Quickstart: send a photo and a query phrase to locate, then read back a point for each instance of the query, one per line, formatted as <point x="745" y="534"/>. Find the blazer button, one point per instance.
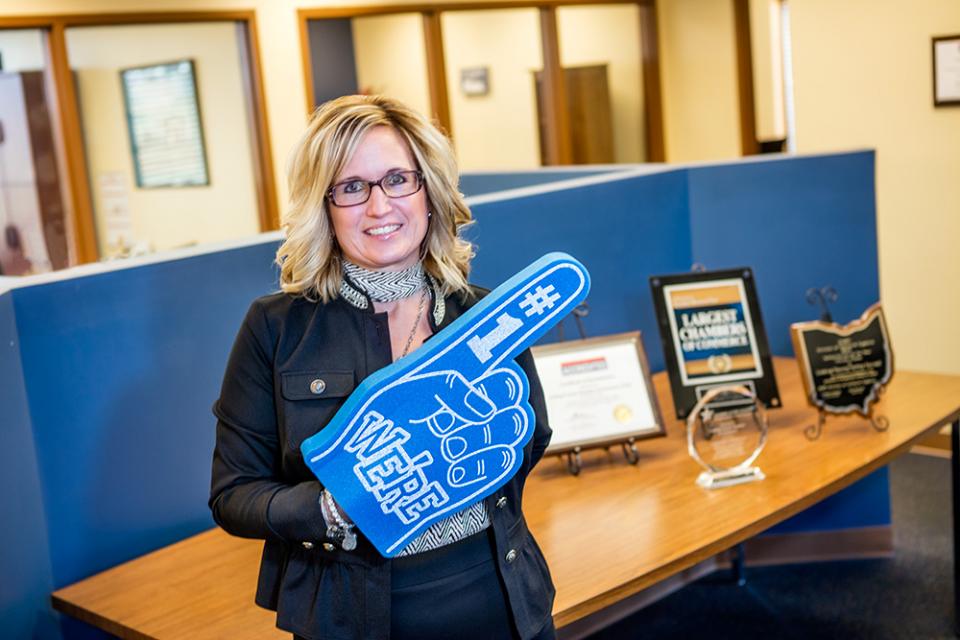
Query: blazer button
<point x="317" y="386"/>
<point x="511" y="556"/>
<point x="328" y="547"/>
<point x="502" y="502"/>
<point x="307" y="545"/>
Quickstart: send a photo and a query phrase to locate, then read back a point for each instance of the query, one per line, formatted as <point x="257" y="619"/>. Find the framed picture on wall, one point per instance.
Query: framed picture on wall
<point x="163" y="119"/>
<point x="946" y="71"/>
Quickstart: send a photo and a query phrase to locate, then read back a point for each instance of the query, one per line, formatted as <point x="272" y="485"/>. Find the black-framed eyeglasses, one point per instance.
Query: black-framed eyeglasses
<point x="396" y="184"/>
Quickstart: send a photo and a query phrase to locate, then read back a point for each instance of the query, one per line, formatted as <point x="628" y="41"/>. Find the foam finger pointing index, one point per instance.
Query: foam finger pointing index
<point x="514" y="315"/>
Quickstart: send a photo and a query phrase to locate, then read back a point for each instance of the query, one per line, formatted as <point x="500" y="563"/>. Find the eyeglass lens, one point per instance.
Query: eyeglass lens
<point x="396" y="184"/>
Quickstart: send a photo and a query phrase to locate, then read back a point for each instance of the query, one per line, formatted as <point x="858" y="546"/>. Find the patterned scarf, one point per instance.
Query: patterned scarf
<point x="381" y="286"/>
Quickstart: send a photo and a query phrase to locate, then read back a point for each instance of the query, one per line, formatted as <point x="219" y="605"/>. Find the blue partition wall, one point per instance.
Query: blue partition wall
<point x="806" y="222"/>
<point x="474" y="184"/>
<point x="106" y="381"/>
<point x="797" y="222"/>
<point x="122" y="369"/>
<point x="25" y="580"/>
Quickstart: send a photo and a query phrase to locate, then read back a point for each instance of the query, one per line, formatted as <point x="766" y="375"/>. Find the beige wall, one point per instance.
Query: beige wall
<point x="390" y="58"/>
<point x="498" y="130"/>
<point x="863" y="79"/>
<point x="699" y="80"/>
<point x="610" y="35"/>
<point x="169" y="217"/>
<point x="22" y="50"/>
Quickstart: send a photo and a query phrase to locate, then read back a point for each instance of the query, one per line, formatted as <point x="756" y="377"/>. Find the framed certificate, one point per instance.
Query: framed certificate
<point x="598" y="392"/>
<point x="946" y="71"/>
<point x="712" y="335"/>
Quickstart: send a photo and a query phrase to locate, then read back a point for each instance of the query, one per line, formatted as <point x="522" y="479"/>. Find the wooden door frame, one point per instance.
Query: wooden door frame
<point x="652" y="92"/>
<point x="558" y="139"/>
<point x="745" y="90"/>
<point x="83" y="225"/>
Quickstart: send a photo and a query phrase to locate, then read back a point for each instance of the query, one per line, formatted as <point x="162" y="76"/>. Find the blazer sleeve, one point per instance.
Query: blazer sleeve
<point x="542" y="431"/>
<point x="248" y="496"/>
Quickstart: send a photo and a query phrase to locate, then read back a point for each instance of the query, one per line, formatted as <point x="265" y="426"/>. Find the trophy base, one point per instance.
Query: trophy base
<point x="728" y="478"/>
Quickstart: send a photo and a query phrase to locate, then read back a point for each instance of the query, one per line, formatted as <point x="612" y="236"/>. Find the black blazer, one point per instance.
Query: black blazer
<point x="261" y="487"/>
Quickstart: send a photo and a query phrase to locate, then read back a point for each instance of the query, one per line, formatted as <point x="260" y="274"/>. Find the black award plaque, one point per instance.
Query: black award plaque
<point x="844" y="367"/>
<point x="713" y="336"/>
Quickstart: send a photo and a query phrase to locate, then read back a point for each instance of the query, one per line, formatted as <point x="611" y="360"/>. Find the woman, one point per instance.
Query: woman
<point x="373" y="264"/>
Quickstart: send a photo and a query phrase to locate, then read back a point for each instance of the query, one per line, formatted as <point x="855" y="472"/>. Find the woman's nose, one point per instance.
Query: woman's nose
<point x="379" y="203"/>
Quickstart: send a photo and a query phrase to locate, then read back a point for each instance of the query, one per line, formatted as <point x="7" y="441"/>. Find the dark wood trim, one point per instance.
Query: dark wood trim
<point x="366" y="10"/>
<point x="939" y="440"/>
<point x="305" y="58"/>
<point x="83" y="231"/>
<point x="748" y="122"/>
<point x="42" y="21"/>
<point x="820" y="546"/>
<point x="26" y="22"/>
<point x="652" y="91"/>
<point x="327" y="13"/>
<point x="437" y="71"/>
<point x="558" y="146"/>
<point x="257" y="123"/>
<point x="152" y="17"/>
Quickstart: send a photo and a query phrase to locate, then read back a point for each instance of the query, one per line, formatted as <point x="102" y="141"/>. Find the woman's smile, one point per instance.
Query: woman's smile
<point x="383" y="230"/>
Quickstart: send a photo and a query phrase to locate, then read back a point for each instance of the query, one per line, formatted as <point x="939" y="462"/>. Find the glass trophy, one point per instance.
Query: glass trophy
<point x="726" y="431"/>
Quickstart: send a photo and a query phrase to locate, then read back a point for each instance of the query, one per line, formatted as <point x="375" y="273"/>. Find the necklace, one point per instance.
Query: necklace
<point x="416" y="323"/>
<point x="385" y="286"/>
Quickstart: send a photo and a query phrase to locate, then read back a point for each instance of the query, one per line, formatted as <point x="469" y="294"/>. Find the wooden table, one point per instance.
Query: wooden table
<point x="608" y="534"/>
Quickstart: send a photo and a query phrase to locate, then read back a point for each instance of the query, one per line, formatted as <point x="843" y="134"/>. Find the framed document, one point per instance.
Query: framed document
<point x="712" y="335"/>
<point x="166" y="135"/>
<point x="598" y="392"/>
<point x="946" y="71"/>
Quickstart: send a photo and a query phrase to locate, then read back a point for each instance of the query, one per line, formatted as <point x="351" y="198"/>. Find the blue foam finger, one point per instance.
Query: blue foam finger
<point x="384" y="455"/>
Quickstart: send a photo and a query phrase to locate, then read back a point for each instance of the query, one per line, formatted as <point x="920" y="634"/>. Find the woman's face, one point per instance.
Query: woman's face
<point x="382" y="233"/>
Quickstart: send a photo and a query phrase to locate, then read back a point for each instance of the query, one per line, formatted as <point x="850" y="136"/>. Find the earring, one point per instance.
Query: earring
<point x="429" y="213"/>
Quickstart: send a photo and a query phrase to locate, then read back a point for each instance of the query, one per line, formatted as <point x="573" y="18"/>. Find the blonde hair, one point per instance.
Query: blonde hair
<point x="310" y="259"/>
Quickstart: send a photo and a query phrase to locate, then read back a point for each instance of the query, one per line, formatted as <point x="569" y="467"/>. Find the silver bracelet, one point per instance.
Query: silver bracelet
<point x="341" y="530"/>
